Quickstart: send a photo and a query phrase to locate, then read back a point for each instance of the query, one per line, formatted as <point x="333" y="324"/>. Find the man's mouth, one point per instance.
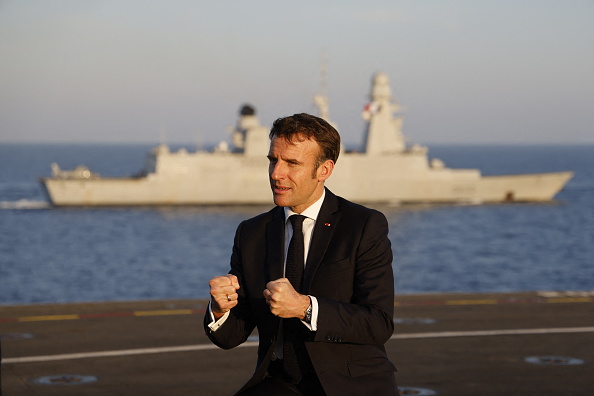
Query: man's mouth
<point x="281" y="189"/>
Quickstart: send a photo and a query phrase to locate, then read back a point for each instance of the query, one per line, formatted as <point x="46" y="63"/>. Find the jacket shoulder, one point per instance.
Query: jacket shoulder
<point x="358" y="211"/>
<point x="261" y="220"/>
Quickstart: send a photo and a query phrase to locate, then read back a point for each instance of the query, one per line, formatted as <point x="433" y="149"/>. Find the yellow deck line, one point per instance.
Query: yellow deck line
<point x="164" y="312"/>
<point x="44" y="318"/>
<point x="570" y="300"/>
<point x="471" y="302"/>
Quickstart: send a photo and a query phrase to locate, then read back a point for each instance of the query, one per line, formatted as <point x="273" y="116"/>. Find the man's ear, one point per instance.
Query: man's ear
<point x="325" y="170"/>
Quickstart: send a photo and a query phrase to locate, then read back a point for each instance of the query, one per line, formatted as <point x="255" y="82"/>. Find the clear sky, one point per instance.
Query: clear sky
<point x="489" y="71"/>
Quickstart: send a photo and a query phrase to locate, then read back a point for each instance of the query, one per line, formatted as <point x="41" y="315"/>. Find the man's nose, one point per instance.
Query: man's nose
<point x="277" y="171"/>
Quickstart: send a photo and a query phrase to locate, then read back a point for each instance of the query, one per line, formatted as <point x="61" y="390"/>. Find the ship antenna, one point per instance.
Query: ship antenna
<point x="324" y="74"/>
<point x="321" y="99"/>
<point x="162" y="135"/>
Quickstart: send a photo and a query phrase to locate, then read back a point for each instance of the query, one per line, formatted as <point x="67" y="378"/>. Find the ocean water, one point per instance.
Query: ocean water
<point x="52" y="255"/>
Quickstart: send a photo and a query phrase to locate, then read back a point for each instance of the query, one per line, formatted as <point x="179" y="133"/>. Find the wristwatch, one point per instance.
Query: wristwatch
<point x="308" y="314"/>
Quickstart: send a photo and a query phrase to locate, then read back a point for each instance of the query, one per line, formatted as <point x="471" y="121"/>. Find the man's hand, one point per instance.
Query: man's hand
<point x="223" y="292"/>
<point x="284" y="301"/>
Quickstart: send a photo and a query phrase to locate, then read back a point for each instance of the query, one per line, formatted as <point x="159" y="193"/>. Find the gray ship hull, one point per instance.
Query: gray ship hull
<point x="219" y="179"/>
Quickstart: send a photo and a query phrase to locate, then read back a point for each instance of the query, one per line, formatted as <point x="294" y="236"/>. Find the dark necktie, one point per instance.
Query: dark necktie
<point x="294" y="273"/>
<point x="295" y="254"/>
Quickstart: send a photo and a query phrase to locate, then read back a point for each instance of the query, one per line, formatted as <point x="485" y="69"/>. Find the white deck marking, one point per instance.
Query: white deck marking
<point x="204" y="347"/>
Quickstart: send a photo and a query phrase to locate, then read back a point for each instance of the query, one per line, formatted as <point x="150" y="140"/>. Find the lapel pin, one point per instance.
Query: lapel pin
<point x="327" y="224"/>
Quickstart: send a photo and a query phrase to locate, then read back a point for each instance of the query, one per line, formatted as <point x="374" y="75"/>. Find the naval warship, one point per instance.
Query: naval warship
<point x="385" y="170"/>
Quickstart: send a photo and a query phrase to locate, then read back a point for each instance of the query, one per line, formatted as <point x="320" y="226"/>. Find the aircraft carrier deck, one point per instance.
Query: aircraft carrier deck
<point x="444" y="344"/>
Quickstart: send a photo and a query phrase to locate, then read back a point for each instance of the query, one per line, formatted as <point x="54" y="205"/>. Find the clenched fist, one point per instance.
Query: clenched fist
<point x="284" y="301"/>
<point x="223" y="292"/>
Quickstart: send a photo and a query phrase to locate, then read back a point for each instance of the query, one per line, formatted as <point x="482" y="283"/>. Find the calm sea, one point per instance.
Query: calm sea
<point x="50" y="255"/>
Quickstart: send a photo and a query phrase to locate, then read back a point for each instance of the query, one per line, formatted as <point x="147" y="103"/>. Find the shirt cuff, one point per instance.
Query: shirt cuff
<point x="215" y="324"/>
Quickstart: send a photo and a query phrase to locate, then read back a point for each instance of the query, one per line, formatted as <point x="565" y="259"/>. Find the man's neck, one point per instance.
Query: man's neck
<point x="311" y="211"/>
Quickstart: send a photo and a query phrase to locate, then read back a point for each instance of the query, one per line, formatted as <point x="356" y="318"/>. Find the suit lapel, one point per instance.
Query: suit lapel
<point x="322" y="234"/>
<point x="275" y="233"/>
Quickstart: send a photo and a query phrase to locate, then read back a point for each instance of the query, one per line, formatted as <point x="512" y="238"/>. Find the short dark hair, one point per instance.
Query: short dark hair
<point x="310" y="127"/>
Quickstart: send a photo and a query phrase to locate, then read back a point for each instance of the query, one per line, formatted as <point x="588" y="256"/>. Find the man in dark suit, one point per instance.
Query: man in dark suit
<point x="314" y="275"/>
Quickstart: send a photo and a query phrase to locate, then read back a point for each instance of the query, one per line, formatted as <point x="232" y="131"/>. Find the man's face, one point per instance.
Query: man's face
<point x="294" y="181"/>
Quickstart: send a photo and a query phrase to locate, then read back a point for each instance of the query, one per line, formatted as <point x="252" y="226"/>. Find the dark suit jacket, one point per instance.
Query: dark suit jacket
<point x="348" y="270"/>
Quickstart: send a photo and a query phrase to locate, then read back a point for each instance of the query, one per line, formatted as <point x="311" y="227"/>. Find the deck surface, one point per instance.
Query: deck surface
<point x="453" y="344"/>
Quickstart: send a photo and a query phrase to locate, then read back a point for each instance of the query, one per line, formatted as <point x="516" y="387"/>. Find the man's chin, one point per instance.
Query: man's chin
<point x="280" y="200"/>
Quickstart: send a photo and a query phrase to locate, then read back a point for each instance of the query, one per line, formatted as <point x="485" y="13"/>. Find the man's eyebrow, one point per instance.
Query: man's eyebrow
<point x="293" y="160"/>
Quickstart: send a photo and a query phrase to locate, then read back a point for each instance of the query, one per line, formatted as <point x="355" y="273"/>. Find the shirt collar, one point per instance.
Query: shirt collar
<point x="311" y="212"/>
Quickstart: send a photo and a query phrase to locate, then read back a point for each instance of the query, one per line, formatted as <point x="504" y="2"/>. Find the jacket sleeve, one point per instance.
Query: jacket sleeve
<point x="358" y="308"/>
<point x="239" y="325"/>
